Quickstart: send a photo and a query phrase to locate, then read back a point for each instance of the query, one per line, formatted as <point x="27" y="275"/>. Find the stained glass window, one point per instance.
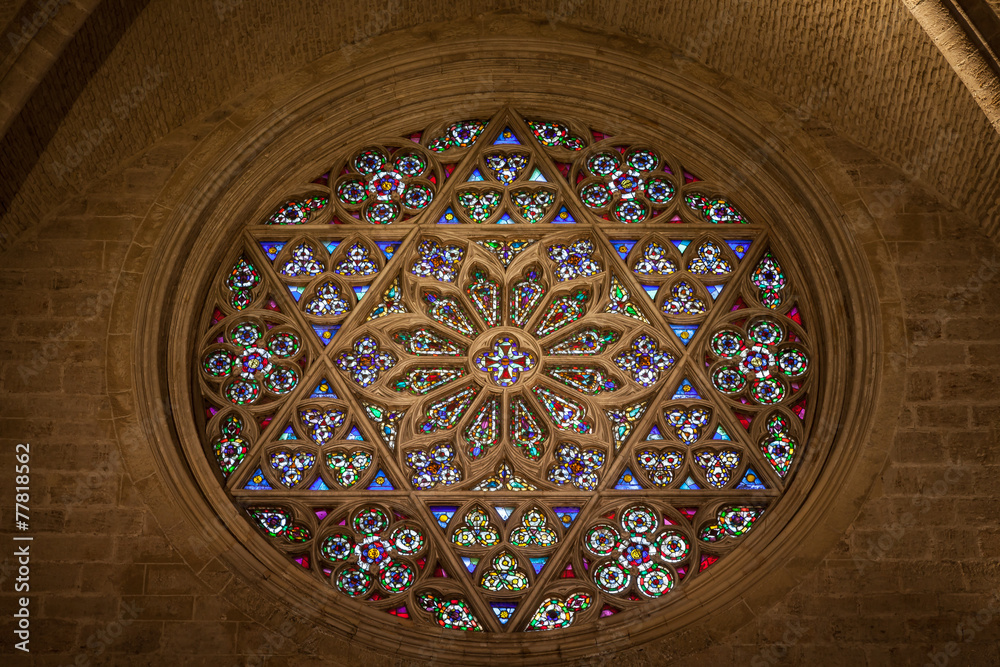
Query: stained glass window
<point x="506" y="375"/>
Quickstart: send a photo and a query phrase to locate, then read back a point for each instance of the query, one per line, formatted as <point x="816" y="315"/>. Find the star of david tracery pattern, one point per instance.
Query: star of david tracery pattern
<point x="505" y="362"/>
<point x="434" y="379"/>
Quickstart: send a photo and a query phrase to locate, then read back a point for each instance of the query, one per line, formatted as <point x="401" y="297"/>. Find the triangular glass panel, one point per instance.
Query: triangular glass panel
<point x="296" y="291"/>
<point x="566" y="515"/>
<point x="360" y="291"/>
<point x="794" y="315"/>
<point x="627" y="482"/>
<point x="654" y="434"/>
<point x="448" y="218"/>
<point x="388" y="248"/>
<point x="440" y="572"/>
<point x="567" y="572"/>
<point x="505" y="219"/>
<point x="800" y="409"/>
<point x="688" y="512"/>
<point x="714" y="290"/>
<point x="706" y="562"/>
<point x="257" y="482"/>
<point x="508" y="137"/>
<point x="475" y="176"/>
<point x="690" y="485"/>
<point x="320" y="514"/>
<point x="265" y="422"/>
<point x="744" y="418"/>
<point x="355" y="434"/>
<point x="623" y="247"/>
<point x="681" y="245"/>
<point x="504" y="512"/>
<point x="751" y="481"/>
<point x="323" y="390"/>
<point x="326" y="333"/>
<point x="684" y="332"/>
<point x="443" y="514"/>
<point x="651" y="291"/>
<point x="288" y="434"/>
<point x="271" y="249"/>
<point x="303" y="561"/>
<point x="319" y="485"/>
<point x="608" y="610"/>
<point x="399" y="611"/>
<point x="470" y="563"/>
<point x="739" y="248"/>
<point x="720" y="434"/>
<point x="381" y="482"/>
<point x="538" y="563"/>
<point x="620" y="302"/>
<point x="686" y="390"/>
<point x="504" y="611"/>
<point x="563" y="217"/>
<point x="331" y="246"/>
<point x="538" y="176"/>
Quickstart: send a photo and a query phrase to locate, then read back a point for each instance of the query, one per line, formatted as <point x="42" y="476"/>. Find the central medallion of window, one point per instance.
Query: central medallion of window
<point x="505" y="361"/>
<point x="506" y="375"/>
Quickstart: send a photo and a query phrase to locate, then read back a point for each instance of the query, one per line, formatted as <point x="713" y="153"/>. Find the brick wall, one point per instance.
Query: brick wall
<point x="918" y="562"/>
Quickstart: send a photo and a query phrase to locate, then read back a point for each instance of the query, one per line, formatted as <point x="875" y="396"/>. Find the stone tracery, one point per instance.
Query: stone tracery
<point x="609" y="371"/>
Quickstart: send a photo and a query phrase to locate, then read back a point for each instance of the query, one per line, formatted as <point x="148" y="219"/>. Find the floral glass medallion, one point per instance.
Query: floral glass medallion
<point x="505" y="362"/>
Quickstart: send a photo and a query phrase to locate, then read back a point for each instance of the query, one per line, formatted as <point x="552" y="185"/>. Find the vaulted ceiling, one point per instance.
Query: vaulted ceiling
<point x="100" y="81"/>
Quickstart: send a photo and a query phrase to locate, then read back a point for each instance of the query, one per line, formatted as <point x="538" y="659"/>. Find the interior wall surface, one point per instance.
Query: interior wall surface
<point x="891" y="573"/>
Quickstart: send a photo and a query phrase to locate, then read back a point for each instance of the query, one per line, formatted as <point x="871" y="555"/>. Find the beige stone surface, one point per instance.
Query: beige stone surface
<point x="856" y="89"/>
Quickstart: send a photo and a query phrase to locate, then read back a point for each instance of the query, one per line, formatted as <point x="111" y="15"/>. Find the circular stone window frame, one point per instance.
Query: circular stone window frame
<point x="239" y="175"/>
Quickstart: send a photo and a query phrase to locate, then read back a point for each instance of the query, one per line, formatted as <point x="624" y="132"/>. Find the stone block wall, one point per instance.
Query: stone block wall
<point x="915" y="578"/>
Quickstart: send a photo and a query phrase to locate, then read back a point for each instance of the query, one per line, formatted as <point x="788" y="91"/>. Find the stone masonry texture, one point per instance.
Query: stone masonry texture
<point x="919" y="566"/>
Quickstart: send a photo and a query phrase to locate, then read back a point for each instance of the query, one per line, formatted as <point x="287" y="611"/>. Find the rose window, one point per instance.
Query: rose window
<point x="507" y="375"/>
